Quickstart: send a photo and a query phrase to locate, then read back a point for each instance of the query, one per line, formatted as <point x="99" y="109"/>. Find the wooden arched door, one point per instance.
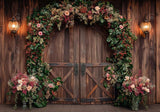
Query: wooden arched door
<point x="78" y="55"/>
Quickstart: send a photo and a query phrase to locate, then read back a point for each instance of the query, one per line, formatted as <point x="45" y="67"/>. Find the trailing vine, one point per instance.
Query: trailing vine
<point x="42" y="23"/>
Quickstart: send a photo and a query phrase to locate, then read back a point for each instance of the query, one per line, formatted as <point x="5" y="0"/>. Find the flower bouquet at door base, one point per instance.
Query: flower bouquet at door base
<point x="137" y="89"/>
<point x="110" y="78"/>
<point x="24" y="88"/>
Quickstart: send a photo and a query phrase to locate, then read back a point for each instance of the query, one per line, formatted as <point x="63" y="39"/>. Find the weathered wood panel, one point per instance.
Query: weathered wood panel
<point x="13" y="54"/>
<point x="158" y="51"/>
<point x="144" y="48"/>
<point x="1" y="46"/>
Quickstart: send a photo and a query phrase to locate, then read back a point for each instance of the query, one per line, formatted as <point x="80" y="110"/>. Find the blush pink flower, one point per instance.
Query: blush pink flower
<point x="121" y="27"/>
<point x="40" y="33"/>
<point x="107" y="75"/>
<point x="90" y="17"/>
<point x="51" y="85"/>
<point x="114" y="76"/>
<point x="29" y="24"/>
<point x="121" y="17"/>
<point x="97" y="8"/>
<point x="29" y="88"/>
<point x="109" y="68"/>
<point x="66" y="13"/>
<point x="38" y="25"/>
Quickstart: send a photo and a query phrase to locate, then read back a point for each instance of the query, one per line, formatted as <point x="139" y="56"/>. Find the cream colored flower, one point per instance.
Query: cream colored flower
<point x="20" y="81"/>
<point x="147" y="90"/>
<point x="132" y="86"/>
<point x="19" y="88"/>
<point x="97" y="8"/>
<point x="33" y="78"/>
<point x="66" y="13"/>
<point x="148" y="80"/>
<point x="29" y="88"/>
<point x="126" y="78"/>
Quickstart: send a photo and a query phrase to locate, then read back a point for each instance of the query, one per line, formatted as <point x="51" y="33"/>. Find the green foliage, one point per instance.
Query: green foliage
<point x="120" y="37"/>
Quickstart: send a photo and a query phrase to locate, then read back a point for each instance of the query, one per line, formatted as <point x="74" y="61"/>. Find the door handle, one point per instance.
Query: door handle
<point x="83" y="69"/>
<point x="75" y="69"/>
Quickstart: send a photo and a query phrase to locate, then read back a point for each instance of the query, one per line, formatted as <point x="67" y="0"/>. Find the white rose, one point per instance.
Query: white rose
<point x="147" y="90"/>
<point x="19" y="88"/>
<point x="33" y="78"/>
<point x="132" y="86"/>
<point x="126" y="78"/>
<point x="148" y="80"/>
<point x="20" y="81"/>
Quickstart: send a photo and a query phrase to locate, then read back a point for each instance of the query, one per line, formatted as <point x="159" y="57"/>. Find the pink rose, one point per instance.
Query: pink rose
<point x="51" y="85"/>
<point x="114" y="76"/>
<point x="40" y="33"/>
<point x="29" y="24"/>
<point x="38" y="25"/>
<point x="121" y="17"/>
<point x="107" y="75"/>
<point x="121" y="27"/>
<point x="109" y="68"/>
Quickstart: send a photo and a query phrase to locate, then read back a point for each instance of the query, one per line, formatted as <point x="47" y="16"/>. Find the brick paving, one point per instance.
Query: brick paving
<point x="79" y="108"/>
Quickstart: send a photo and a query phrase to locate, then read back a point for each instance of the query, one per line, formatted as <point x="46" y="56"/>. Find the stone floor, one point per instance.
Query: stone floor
<point x="78" y="108"/>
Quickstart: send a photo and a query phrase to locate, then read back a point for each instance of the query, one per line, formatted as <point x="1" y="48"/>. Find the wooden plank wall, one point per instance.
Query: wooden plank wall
<point x="145" y="53"/>
<point x="158" y="50"/>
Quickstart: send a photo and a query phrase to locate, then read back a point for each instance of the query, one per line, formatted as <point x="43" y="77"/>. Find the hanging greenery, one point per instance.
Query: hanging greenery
<point x="42" y="23"/>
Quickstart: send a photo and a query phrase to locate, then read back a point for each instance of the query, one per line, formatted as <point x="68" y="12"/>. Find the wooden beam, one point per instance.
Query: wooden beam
<point x="157" y="51"/>
<point x="1" y="49"/>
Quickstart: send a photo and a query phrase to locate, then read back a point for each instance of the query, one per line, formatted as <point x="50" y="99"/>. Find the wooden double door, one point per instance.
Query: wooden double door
<point x="78" y="55"/>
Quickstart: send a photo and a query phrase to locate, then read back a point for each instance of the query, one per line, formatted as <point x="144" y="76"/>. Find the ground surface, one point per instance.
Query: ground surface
<point x="79" y="108"/>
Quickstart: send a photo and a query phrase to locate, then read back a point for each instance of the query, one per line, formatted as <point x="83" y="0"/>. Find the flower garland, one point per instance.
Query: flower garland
<point x="42" y="23"/>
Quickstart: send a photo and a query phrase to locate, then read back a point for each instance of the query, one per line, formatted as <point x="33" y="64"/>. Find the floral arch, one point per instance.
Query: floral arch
<point x="54" y="15"/>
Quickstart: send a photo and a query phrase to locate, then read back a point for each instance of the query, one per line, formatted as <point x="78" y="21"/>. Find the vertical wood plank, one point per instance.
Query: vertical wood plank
<point x="157" y="51"/>
<point x="1" y="48"/>
<point x="83" y="60"/>
<point x="76" y="56"/>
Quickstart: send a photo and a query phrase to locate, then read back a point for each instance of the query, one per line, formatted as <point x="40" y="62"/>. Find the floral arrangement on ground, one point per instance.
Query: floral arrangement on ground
<point x="42" y="23"/>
